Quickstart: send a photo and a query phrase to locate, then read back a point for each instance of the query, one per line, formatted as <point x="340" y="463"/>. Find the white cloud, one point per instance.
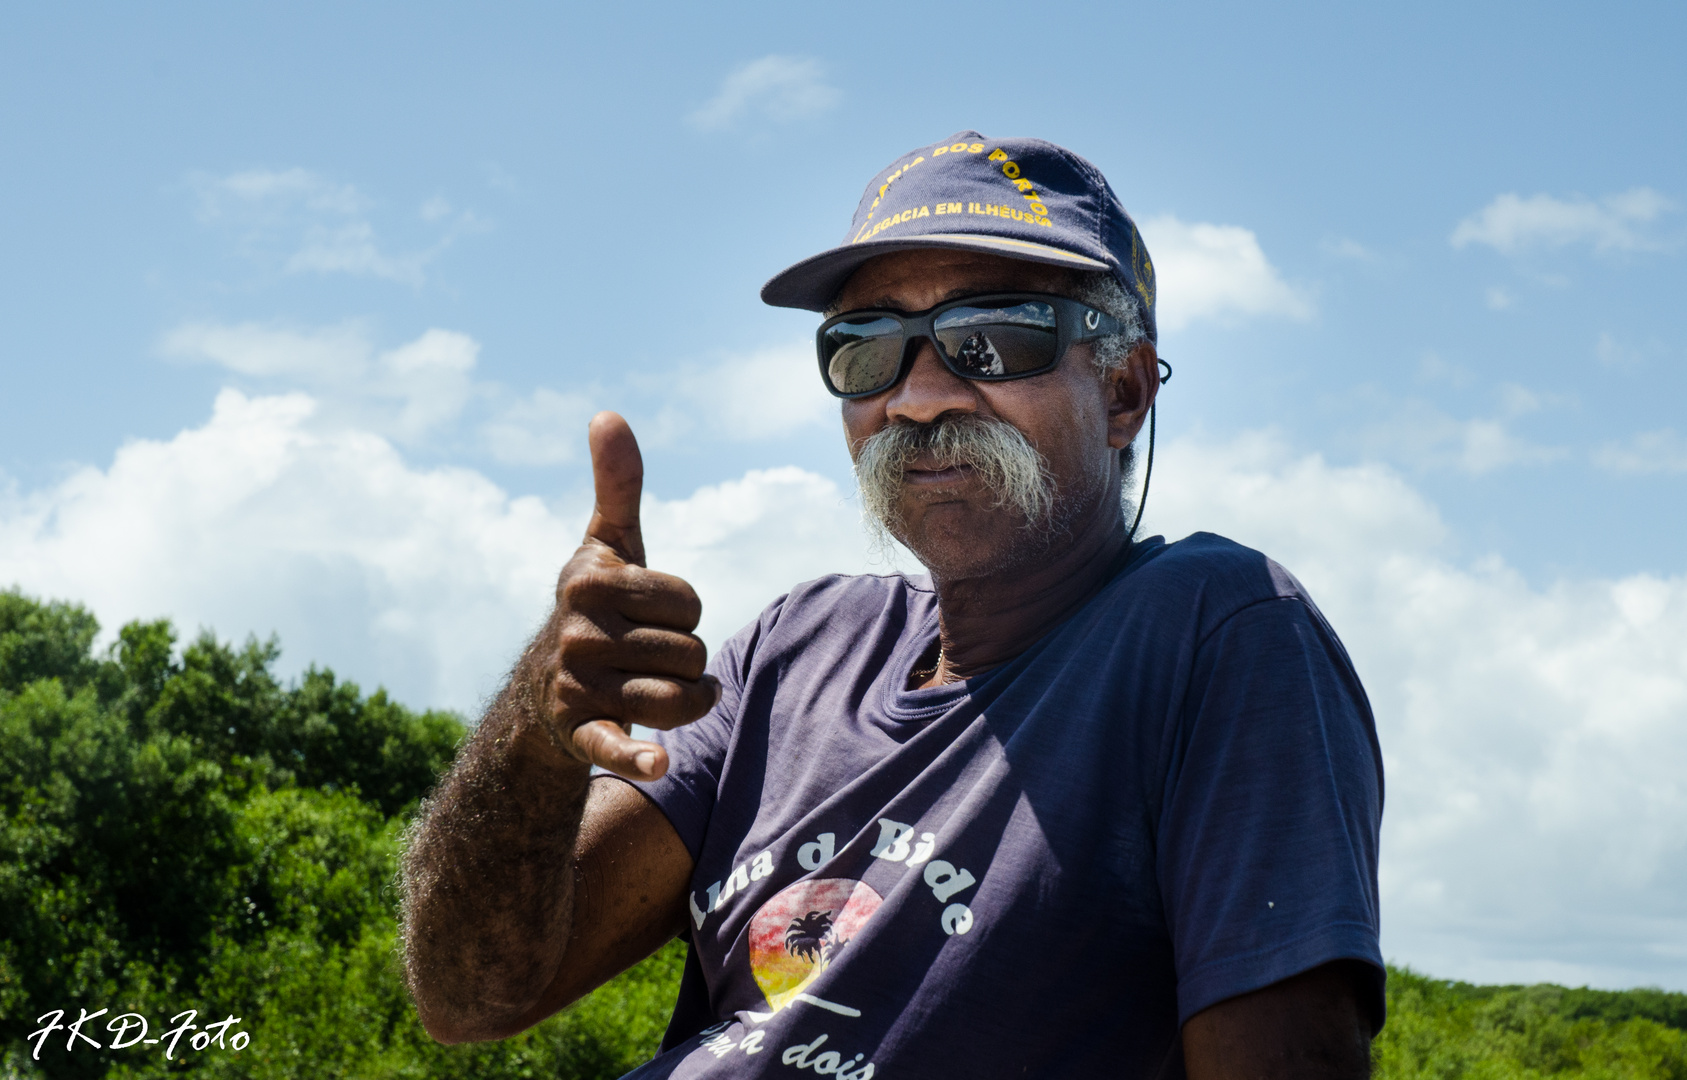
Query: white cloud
<point x="1662" y="451"/>
<point x="778" y="88"/>
<point x="326" y="354"/>
<point x="351" y="249"/>
<point x="1206" y="271"/>
<point x="262" y="521"/>
<point x="238" y="193"/>
<point x="430" y="377"/>
<point x="740" y="397"/>
<point x="306" y="223"/>
<point x="1487" y="445"/>
<point x="1512" y="224"/>
<point x="1427" y="437"/>
<point x="1347" y="248"/>
<point x="1499" y="299"/>
<point x="743" y="542"/>
<point x="1628" y="354"/>
<point x="408" y="393"/>
<point x="1536" y="825"/>
<point x="1432" y="367"/>
<point x="1611" y="353"/>
<point x="545" y="428"/>
<point x="1518" y="400"/>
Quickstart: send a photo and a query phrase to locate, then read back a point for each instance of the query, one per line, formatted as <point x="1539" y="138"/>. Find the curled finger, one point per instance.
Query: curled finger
<point x="666" y="703"/>
<point x="657" y="599"/>
<point x="650" y="650"/>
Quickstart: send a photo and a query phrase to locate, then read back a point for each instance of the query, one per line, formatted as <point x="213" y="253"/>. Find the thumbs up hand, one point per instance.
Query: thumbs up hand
<point x="618" y="648"/>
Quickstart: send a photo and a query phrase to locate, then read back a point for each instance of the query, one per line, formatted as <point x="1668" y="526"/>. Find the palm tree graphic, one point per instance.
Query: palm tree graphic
<point x="813" y="938"/>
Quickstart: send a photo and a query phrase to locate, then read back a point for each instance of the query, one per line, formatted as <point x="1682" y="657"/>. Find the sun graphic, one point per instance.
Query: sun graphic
<point x="803" y="930"/>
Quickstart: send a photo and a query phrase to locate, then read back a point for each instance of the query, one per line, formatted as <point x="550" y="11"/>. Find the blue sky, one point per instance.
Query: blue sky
<point x="305" y="307"/>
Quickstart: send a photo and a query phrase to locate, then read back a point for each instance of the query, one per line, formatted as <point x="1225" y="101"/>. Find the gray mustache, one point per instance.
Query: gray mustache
<point x="1005" y="461"/>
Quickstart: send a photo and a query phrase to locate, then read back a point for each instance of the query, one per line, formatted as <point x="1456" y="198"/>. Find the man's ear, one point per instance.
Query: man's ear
<point x="1131" y="389"/>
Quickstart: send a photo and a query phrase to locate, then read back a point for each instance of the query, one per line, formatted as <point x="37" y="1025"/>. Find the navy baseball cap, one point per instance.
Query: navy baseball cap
<point x="1022" y="198"/>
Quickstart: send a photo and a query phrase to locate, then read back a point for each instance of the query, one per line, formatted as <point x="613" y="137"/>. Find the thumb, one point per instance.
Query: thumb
<point x="606" y="745"/>
<point x="618" y="476"/>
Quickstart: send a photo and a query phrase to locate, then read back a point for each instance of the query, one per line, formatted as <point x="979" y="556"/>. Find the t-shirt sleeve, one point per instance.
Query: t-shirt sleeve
<point x="1267" y="840"/>
<point x="697" y="751"/>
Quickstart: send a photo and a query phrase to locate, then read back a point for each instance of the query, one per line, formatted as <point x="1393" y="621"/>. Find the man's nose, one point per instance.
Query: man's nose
<point x="930" y="390"/>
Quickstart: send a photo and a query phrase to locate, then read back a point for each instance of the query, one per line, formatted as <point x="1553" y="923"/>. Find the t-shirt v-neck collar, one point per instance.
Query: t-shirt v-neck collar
<point x="928" y="703"/>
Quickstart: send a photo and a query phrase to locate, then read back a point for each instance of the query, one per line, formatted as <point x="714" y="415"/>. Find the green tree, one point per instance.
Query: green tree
<point x="1451" y="1030"/>
<point x="180" y="830"/>
<point x="45" y="641"/>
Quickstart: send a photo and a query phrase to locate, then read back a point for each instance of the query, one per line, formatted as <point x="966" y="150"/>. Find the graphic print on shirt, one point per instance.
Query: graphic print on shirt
<point x="801" y="932"/>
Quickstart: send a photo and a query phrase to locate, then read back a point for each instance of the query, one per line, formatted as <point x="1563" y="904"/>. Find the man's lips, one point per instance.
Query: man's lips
<point x="931" y="474"/>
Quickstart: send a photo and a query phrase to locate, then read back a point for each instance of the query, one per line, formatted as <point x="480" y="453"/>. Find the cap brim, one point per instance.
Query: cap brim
<point x="814" y="282"/>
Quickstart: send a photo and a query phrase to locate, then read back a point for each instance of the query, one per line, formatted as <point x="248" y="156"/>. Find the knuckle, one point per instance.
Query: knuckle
<point x="703" y="697"/>
<point x="680" y="591"/>
<point x="570" y="704"/>
<point x="696" y="653"/>
<point x="591" y="586"/>
<point x="562" y="695"/>
<point x="688" y="657"/>
<point x="581" y="642"/>
<point x="691" y="607"/>
<point x="675" y="596"/>
<point x="580" y="590"/>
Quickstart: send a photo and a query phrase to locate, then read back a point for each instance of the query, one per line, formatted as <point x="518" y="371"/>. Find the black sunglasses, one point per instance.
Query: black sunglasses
<point x="990" y="338"/>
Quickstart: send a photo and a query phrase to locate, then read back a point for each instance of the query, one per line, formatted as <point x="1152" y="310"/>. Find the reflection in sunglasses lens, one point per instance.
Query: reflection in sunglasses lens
<point x="863" y="356"/>
<point x="977" y="356"/>
<point x="1011" y="340"/>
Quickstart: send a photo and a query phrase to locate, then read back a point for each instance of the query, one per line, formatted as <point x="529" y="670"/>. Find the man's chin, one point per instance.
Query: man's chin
<point x="967" y="547"/>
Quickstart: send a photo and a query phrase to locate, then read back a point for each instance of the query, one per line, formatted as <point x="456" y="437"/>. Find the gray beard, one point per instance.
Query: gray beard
<point x="1004" y="460"/>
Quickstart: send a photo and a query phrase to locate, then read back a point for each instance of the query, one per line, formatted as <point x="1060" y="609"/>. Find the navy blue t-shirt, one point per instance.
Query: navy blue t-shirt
<point x="1170" y="799"/>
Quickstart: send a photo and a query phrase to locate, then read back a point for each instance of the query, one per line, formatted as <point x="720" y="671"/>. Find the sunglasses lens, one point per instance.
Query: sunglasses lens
<point x="862" y="357"/>
<point x="1018" y="338"/>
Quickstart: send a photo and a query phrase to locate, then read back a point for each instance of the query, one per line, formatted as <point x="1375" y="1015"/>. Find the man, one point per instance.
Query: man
<point x="1077" y="805"/>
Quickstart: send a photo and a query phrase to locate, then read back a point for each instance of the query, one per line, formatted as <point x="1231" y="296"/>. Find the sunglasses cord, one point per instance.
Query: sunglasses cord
<point x="1147" y="475"/>
<point x="1148" y="472"/>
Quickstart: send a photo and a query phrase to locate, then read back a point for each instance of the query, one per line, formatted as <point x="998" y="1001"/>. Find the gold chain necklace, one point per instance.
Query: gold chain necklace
<point x="922" y="674"/>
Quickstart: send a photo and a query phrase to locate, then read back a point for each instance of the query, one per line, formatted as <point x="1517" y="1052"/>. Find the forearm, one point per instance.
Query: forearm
<point x="488" y="875"/>
<point x="1312" y="1026"/>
